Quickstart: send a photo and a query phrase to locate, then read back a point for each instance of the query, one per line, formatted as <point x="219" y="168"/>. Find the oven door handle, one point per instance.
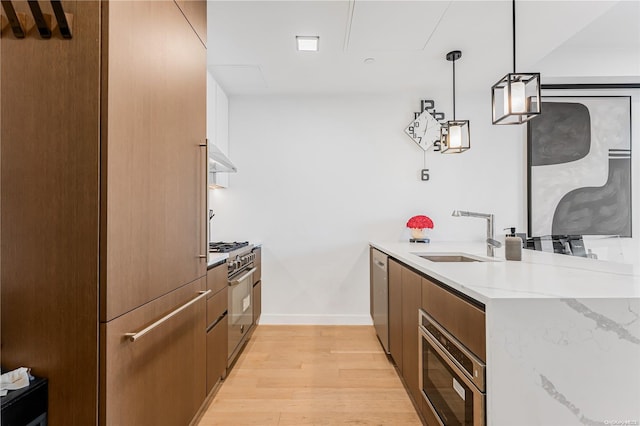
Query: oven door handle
<point x="242" y="278"/>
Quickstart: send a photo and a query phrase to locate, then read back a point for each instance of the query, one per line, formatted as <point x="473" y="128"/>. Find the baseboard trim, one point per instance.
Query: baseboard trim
<point x="293" y="319"/>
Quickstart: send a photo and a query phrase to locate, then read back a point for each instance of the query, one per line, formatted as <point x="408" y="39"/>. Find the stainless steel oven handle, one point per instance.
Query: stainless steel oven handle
<point x="242" y="278"/>
<point x="135" y="336"/>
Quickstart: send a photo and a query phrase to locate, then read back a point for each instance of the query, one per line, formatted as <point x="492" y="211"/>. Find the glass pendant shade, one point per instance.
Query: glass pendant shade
<point x="515" y="99"/>
<point x="455" y="137"/>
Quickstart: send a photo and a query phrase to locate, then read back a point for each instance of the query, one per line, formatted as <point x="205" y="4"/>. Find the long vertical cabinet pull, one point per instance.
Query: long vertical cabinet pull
<point x="203" y="209"/>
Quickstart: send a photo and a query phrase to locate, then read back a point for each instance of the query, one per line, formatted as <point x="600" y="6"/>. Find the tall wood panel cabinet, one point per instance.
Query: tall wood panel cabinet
<point x="103" y="211"/>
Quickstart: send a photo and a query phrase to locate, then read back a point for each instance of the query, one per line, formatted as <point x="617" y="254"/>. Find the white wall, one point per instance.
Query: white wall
<point x="319" y="177"/>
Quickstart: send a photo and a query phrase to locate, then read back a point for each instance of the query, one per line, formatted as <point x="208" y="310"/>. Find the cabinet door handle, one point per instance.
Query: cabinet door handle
<point x="135" y="336"/>
<point x="206" y="200"/>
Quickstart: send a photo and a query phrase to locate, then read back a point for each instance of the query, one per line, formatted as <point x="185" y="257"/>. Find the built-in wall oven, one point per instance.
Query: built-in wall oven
<point x="240" y="304"/>
<point x="452" y="379"/>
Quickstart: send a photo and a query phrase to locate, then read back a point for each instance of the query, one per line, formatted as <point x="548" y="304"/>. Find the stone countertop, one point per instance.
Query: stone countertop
<point x="537" y="275"/>
<point x="563" y="333"/>
<point x="216" y="258"/>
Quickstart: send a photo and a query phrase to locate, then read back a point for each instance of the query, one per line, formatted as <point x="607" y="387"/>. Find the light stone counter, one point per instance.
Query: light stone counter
<point x="563" y="333"/>
<point x="216" y="258"/>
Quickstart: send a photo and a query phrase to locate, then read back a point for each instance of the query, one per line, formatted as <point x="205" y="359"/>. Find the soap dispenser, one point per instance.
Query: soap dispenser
<point x="512" y="245"/>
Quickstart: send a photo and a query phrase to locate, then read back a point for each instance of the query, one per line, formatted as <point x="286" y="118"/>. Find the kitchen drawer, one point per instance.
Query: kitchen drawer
<point x="461" y="318"/>
<point x="160" y="379"/>
<point x="217" y="352"/>
<point x="217" y="278"/>
<point x="216" y="306"/>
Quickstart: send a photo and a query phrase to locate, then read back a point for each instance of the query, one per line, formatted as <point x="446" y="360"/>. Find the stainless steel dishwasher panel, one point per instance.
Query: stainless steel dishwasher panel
<point x="380" y="296"/>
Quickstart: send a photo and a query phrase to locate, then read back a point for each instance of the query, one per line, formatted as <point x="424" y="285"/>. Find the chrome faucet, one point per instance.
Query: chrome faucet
<point x="491" y="242"/>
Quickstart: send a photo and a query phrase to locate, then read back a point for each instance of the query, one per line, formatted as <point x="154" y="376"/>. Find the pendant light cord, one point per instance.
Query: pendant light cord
<point x="513" y="12"/>
<point x="454" y="90"/>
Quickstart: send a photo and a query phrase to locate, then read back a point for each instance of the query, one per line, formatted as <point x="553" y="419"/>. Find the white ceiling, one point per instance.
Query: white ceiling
<point x="251" y="44"/>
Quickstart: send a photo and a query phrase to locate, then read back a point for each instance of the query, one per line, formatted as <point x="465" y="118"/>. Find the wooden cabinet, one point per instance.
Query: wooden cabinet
<point x="101" y="163"/>
<point x="411" y="298"/>
<point x="217" y="278"/>
<point x="160" y="378"/>
<point x="257" y="302"/>
<point x="217" y="324"/>
<point x="154" y="205"/>
<point x="257" y="285"/>
<point x="410" y="291"/>
<point x="257" y="275"/>
<point x="460" y="317"/>
<point x="217" y="307"/>
<point x="404" y="302"/>
<point x="217" y="342"/>
<point x="395" y="312"/>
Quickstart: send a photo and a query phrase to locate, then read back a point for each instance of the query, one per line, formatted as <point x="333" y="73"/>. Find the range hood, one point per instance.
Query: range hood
<point x="218" y="162"/>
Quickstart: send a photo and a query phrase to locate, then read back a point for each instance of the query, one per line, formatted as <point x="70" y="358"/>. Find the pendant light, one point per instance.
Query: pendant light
<point x="515" y="99"/>
<point x="454" y="135"/>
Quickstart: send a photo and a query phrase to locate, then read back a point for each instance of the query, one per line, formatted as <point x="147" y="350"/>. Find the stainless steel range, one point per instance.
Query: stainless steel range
<point x="240" y="279"/>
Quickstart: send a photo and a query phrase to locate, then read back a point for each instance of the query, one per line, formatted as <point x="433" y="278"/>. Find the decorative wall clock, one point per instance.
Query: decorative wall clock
<point x="424" y="130"/>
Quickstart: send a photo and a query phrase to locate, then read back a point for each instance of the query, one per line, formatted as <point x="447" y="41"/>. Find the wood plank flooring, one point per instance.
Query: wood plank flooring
<point x="312" y="375"/>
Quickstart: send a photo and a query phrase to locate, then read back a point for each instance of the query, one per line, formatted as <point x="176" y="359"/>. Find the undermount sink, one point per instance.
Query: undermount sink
<point x="453" y="257"/>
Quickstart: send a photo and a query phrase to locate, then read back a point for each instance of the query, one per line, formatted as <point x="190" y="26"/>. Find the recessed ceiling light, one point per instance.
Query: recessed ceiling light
<point x="308" y="43"/>
<point x="369" y="60"/>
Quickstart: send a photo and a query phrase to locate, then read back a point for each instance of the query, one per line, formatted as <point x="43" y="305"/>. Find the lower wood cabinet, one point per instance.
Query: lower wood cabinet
<point x="217" y="325"/>
<point x="405" y="296"/>
<point x="160" y="378"/>
<point x="458" y="316"/>
<point x="257" y="302"/>
<point x="217" y="278"/>
<point x="411" y="300"/>
<point x="395" y="312"/>
<point x="217" y="337"/>
<point x="410" y="291"/>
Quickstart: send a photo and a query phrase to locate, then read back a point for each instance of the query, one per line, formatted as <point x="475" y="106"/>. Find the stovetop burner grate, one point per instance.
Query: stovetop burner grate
<point x="225" y="247"/>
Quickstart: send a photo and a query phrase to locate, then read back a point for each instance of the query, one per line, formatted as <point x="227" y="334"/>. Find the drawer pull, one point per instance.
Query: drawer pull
<point x="135" y="336"/>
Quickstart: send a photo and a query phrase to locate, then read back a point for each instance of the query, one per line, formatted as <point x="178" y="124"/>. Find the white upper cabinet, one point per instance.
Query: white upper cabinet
<point x="217" y="127"/>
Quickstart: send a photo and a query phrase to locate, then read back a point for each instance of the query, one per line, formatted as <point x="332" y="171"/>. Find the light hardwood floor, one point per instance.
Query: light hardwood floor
<point x="312" y="375"/>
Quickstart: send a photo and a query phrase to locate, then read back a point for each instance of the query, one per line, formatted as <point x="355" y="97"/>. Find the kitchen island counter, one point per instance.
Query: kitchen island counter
<point x="563" y="333"/>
